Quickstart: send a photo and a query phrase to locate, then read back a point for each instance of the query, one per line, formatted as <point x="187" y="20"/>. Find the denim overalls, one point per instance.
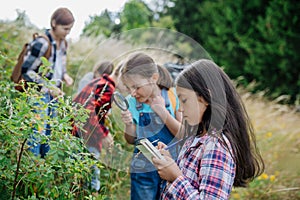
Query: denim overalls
<point x="145" y="181"/>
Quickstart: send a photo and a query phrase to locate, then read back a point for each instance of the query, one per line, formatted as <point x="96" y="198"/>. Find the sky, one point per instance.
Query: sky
<point x="39" y="12"/>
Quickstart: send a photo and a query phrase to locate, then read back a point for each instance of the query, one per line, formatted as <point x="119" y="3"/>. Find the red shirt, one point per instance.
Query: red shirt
<point x="95" y="96"/>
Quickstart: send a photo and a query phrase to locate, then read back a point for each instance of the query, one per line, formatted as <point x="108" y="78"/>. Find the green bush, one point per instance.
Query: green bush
<point x="66" y="169"/>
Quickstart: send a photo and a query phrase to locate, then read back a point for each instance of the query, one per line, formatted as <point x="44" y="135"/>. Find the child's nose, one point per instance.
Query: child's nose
<point x="180" y="109"/>
<point x="133" y="92"/>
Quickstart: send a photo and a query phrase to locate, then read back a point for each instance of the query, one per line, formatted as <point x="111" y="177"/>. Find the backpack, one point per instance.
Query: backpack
<point x="16" y="75"/>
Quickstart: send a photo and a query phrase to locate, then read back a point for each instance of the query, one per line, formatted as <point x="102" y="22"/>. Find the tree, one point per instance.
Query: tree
<point x="253" y="39"/>
<point x="104" y="24"/>
<point x="136" y="14"/>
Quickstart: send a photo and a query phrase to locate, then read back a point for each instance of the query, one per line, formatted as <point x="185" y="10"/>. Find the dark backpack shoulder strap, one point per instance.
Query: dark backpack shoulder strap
<point x="47" y="32"/>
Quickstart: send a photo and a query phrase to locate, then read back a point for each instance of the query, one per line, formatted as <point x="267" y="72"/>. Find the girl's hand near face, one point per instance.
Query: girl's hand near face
<point x="158" y="106"/>
<point x="157" y="102"/>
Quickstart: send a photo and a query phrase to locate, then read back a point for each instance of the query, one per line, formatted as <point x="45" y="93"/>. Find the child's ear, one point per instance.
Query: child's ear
<point x="155" y="77"/>
<point x="202" y="100"/>
<point x="53" y="23"/>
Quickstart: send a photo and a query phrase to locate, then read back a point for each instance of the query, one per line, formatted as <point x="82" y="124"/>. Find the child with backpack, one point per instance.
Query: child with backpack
<point x="150" y="115"/>
<point x="62" y="21"/>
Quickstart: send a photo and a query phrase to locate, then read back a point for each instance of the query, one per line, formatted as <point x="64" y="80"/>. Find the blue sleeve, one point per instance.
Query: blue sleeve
<point x="132" y="108"/>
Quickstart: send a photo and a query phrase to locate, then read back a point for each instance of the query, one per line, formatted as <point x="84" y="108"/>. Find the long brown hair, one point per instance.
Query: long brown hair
<point x="165" y="80"/>
<point x="225" y="113"/>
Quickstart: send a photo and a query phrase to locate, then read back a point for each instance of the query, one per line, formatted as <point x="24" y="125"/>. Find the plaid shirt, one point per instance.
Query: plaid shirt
<point x="208" y="170"/>
<point x="96" y="96"/>
<point x="32" y="60"/>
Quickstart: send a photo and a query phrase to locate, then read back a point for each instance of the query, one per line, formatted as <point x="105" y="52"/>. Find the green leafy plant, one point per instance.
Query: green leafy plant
<point x="65" y="172"/>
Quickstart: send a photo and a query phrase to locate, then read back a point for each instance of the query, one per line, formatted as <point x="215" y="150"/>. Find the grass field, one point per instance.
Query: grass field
<point x="277" y="129"/>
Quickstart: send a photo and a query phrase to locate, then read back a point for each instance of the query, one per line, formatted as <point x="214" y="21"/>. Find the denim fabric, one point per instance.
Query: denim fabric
<point x="35" y="144"/>
<point x="145" y="185"/>
<point x="95" y="181"/>
<point x="145" y="181"/>
<point x="152" y="127"/>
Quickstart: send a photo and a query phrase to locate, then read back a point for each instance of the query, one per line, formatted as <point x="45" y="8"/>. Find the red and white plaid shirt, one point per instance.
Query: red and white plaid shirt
<point x="208" y="170"/>
<point x="96" y="96"/>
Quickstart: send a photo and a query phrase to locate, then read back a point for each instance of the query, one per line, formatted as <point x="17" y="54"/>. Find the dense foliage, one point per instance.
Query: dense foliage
<point x="255" y="41"/>
<point x="65" y="173"/>
<point x="67" y="167"/>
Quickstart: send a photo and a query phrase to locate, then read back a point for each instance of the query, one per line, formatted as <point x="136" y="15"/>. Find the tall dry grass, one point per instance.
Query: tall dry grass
<point x="277" y="129"/>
